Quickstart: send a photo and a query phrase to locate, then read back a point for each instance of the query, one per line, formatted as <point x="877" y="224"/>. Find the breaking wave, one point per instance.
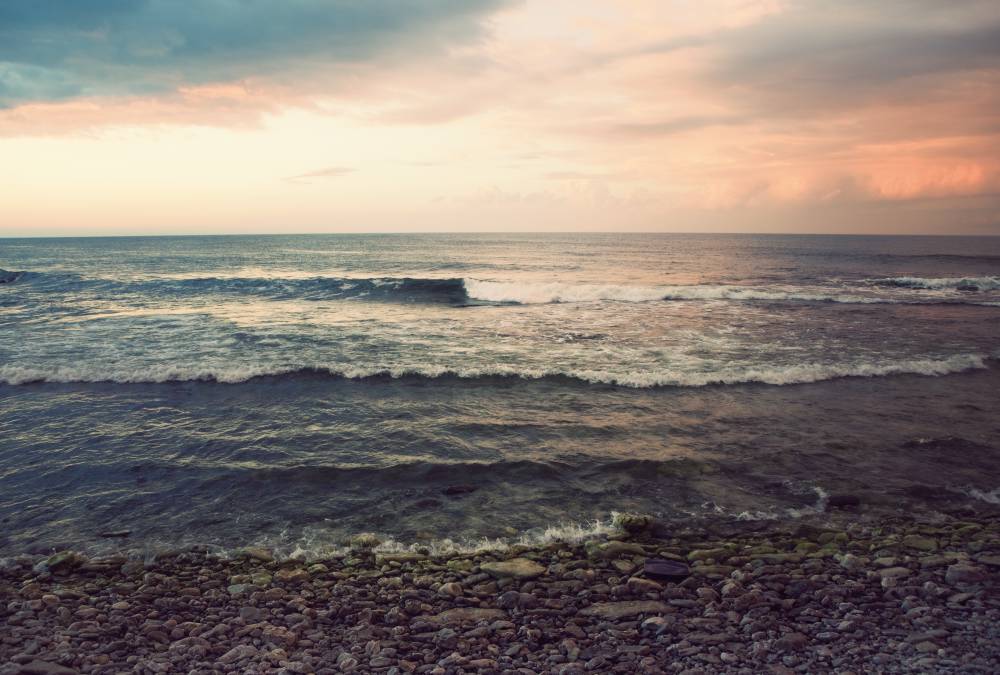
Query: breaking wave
<point x="557" y="292"/>
<point x="971" y="284"/>
<point x="638" y="378"/>
<point x="459" y="291"/>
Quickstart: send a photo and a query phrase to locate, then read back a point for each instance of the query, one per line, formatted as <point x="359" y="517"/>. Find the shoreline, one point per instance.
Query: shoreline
<point x="889" y="595"/>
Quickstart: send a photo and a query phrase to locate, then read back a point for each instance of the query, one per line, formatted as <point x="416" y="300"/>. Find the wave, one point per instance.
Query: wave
<point x="459" y="292"/>
<point x="522" y="293"/>
<point x="9" y="277"/>
<point x="971" y="284"/>
<point x="639" y="379"/>
<point x="405" y="289"/>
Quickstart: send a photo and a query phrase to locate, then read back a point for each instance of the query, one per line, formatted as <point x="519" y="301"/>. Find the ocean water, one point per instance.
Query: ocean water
<point x="293" y="390"/>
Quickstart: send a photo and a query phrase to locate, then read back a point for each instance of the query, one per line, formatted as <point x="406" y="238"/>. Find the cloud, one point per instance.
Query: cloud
<point x="63" y="49"/>
<point x="329" y="172"/>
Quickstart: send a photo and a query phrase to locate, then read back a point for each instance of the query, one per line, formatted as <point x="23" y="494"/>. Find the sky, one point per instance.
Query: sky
<point x="229" y="116"/>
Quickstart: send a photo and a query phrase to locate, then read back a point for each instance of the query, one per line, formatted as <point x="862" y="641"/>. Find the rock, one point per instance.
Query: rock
<point x="262" y="579"/>
<point x="116" y="534"/>
<point x="279" y="636"/>
<point x="791" y="642"/>
<point x="516" y="568"/>
<point x="258" y="553"/>
<point x="468" y="615"/>
<point x="708" y="553"/>
<point x="843" y="501"/>
<point x="291" y="576"/>
<point x="58" y="562"/>
<point x="238" y="653"/>
<point x="456" y="490"/>
<point x="656" y="624"/>
<point x="850" y="562"/>
<point x="364" y="542"/>
<point x="402" y="557"/>
<point x="613" y="549"/>
<point x="452" y="589"/>
<point x="638" y="585"/>
<point x="619" y="610"/>
<point x="893" y="573"/>
<point x="251" y="614"/>
<point x="45" y="668"/>
<point x="633" y="523"/>
<point x="920" y="543"/>
<point x="962" y="573"/>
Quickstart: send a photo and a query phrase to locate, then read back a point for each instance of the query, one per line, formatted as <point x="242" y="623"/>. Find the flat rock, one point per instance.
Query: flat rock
<point x="618" y="610"/>
<point x="516" y="568"/>
<point x="46" y="668"/>
<point x="468" y="615"/>
<point x="964" y="574"/>
<point x="920" y="543"/>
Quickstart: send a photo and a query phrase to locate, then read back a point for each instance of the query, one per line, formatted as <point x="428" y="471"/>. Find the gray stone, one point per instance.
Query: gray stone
<point x="516" y="568"/>
<point x="619" y="610"/>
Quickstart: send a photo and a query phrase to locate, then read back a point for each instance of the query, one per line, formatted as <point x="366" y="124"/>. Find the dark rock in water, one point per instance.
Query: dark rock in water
<point x="427" y="504"/>
<point x="659" y="568"/>
<point x="9" y="277"/>
<point x="967" y="287"/>
<point x="634" y="523"/>
<point x="929" y="493"/>
<point x="843" y="501"/>
<point x="454" y="490"/>
<point x="117" y="534"/>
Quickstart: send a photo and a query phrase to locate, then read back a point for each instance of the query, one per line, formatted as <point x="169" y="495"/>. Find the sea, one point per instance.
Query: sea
<point x="452" y="390"/>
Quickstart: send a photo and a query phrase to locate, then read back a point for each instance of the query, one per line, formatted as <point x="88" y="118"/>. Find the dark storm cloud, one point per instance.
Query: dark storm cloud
<point x="58" y="49"/>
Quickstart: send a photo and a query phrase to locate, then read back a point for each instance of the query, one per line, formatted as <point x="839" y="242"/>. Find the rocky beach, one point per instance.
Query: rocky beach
<point x="838" y="594"/>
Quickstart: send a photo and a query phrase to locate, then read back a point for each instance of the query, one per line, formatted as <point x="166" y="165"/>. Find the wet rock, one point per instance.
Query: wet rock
<point x="258" y="553"/>
<point x="516" y="568"/>
<point x="634" y="523"/>
<point x="364" y="541"/>
<point x="843" y="501"/>
<point x="59" y="563"/>
<point x="708" y="554"/>
<point x="291" y="576"/>
<point x="458" y="490"/>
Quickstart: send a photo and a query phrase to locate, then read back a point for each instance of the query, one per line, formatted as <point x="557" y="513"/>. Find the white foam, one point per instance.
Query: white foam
<point x="551" y="292"/>
<point x="990" y="497"/>
<point x="318" y="543"/>
<point x="640" y="379"/>
<point x="941" y="283"/>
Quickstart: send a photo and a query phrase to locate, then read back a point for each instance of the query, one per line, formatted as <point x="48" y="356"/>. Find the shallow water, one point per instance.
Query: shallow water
<point x="292" y="390"/>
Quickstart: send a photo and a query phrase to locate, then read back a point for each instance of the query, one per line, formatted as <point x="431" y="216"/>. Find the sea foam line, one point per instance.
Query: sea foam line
<point x="638" y="378"/>
<point x="525" y="293"/>
<point x="941" y="283"/>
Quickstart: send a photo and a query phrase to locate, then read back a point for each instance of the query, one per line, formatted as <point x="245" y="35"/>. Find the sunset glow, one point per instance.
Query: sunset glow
<point x="730" y="115"/>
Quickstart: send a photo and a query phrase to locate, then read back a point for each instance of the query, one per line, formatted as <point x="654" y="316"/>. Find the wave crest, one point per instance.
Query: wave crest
<point x="942" y="283"/>
<point x="638" y="379"/>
